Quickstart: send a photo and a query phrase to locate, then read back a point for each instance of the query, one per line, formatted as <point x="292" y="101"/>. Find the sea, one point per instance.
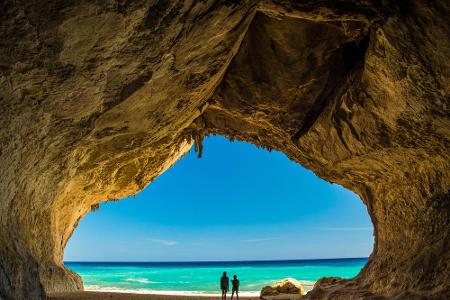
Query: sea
<point x="204" y="277"/>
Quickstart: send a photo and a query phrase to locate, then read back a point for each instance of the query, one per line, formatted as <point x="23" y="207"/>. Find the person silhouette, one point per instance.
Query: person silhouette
<point x="224" y="281"/>
<point x="235" y="287"/>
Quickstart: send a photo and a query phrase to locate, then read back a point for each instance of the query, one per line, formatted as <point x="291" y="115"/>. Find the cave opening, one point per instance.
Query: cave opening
<point x="240" y="208"/>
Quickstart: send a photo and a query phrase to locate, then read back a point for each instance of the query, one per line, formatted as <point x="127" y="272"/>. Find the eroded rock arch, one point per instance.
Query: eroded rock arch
<point x="99" y="98"/>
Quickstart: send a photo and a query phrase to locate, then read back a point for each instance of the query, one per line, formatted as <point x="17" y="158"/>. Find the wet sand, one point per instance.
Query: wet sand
<point x="129" y="296"/>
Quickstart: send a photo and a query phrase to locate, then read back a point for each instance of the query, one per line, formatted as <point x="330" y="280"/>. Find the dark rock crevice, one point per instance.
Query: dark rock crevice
<point x="348" y="64"/>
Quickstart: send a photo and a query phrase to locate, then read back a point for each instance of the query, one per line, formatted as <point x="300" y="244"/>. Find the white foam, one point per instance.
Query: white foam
<point x="140" y="280"/>
<point x="97" y="288"/>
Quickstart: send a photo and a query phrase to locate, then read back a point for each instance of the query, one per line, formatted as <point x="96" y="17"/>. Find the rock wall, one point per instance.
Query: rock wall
<point x="100" y="97"/>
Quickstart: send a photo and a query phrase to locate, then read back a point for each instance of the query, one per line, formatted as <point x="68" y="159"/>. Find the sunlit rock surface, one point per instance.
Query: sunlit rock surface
<point x="288" y="288"/>
<point x="97" y="98"/>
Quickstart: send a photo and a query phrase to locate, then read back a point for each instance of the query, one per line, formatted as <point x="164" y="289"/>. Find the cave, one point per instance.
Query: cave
<point x="99" y="98"/>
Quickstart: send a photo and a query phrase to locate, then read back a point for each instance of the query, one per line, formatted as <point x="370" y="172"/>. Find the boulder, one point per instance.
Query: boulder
<point x="283" y="287"/>
<point x="269" y="291"/>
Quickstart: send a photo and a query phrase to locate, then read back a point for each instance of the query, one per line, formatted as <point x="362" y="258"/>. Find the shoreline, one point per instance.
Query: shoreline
<point x="122" y="294"/>
<point x="106" y="295"/>
<point x="170" y="293"/>
<point x="143" y="291"/>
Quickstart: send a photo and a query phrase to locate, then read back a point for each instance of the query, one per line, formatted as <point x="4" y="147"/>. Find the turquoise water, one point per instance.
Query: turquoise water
<point x="203" y="277"/>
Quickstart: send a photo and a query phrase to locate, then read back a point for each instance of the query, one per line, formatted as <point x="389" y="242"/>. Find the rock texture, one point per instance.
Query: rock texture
<point x="284" y="288"/>
<point x="97" y="98"/>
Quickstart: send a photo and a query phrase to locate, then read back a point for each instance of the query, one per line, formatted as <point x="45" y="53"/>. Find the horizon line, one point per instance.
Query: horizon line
<point x="211" y="261"/>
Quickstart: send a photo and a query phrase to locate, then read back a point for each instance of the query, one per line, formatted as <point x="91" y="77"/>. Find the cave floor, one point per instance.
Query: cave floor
<point x="129" y="296"/>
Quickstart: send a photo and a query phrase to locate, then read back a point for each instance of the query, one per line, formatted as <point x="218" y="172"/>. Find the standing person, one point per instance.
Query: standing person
<point x="235" y="287"/>
<point x="224" y="282"/>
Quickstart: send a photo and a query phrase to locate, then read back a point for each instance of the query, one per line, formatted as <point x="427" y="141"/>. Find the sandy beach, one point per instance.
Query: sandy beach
<point x="129" y="296"/>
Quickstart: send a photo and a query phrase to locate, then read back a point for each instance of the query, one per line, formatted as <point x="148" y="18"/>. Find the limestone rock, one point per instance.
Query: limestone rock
<point x="327" y="280"/>
<point x="98" y="98"/>
<point x="269" y="291"/>
<point x="289" y="286"/>
<point x="285" y="286"/>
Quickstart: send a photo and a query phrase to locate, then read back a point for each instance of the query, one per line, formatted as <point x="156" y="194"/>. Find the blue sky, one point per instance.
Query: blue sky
<point x="237" y="202"/>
